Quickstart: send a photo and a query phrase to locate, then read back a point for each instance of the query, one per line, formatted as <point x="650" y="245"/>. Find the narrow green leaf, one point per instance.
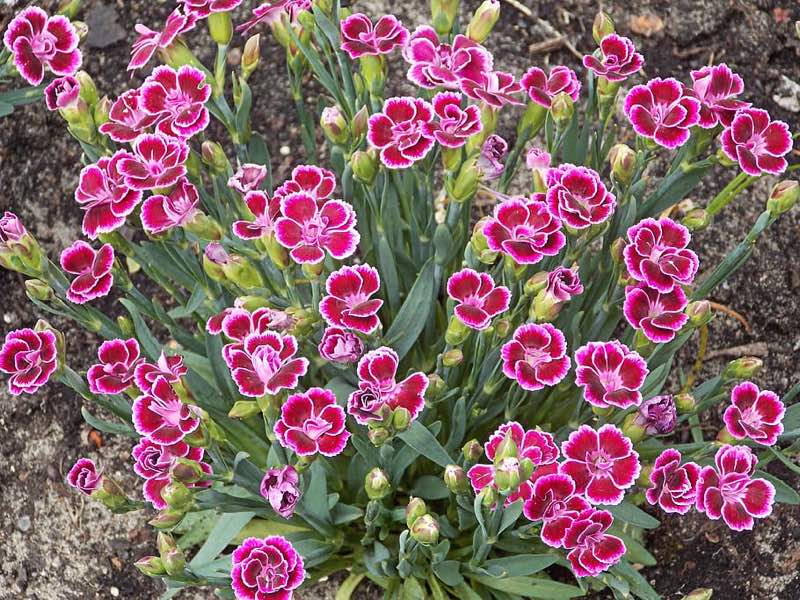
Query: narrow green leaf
<point x="449" y="572"/>
<point x="148" y="341"/>
<point x="223" y="533"/>
<point x="625" y="511"/>
<point x="348" y="586"/>
<point x="531" y="588"/>
<point x="413" y="315"/>
<point x="783" y="493"/>
<point x="429" y="487"/>
<point x="107" y="426"/>
<point x="519" y="565"/>
<point x="422" y="440"/>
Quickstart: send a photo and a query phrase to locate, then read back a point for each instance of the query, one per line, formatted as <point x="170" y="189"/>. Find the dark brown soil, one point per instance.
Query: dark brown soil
<point x="53" y="545"/>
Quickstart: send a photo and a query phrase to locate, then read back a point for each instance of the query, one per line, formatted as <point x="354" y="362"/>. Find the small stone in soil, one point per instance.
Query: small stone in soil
<point x="24" y="523"/>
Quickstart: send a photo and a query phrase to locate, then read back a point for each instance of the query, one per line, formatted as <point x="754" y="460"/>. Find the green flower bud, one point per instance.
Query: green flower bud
<point x="488" y="496"/>
<point x="415" y="509"/>
<point x="444" y="13"/>
<point x="334" y="125"/>
<point x="724" y="160"/>
<point x="456" y="479"/>
<point x="456" y="332"/>
<point x="562" y="109"/>
<point x="545" y="307"/>
<point x="88" y="91"/>
<point x="401" y="419"/>
<point x="506" y="449"/>
<point x="364" y="165"/>
<point x="101" y="111"/>
<point x="126" y="326"/>
<point x="602" y="26"/>
<point x="377" y="484"/>
<point x="452" y="358"/>
<point x="277" y="253"/>
<point x="685" y="403"/>
<point x="188" y="471"/>
<point x="214" y="157"/>
<point x="172" y="557"/>
<point x="532" y="120"/>
<point x="243" y="273"/>
<point x="743" y="368"/>
<point x="360" y="123"/>
<point x="252" y="303"/>
<point x="483" y="21"/>
<point x="178" y="54"/>
<point x="697" y="219"/>
<point x="220" y="27"/>
<point x="204" y="227"/>
<point x="623" y="163"/>
<point x="166" y="519"/>
<point x="436" y="387"/>
<point x="451" y="159"/>
<point x="507" y="475"/>
<point x="379" y="436"/>
<point x="373" y="70"/>
<point x="69" y="8"/>
<point x="472" y="451"/>
<point x="37" y="289"/>
<point x="177" y="496"/>
<point x="783" y="197"/>
<point x="699" y="313"/>
<point x="251" y="55"/>
<point x="466" y="183"/>
<point x="633" y="430"/>
<point x="150" y="566"/>
<point x="502" y="327"/>
<point x="724" y="437"/>
<point x="425" y="530"/>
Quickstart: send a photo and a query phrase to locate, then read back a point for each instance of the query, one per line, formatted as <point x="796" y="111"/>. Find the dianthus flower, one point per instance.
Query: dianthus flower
<point x="157" y="161"/>
<point x="30" y="358"/>
<point x="177" y="99"/>
<point x="312" y="423"/>
<point x="479" y="300"/>
<point x="578" y="197"/>
<point x="436" y="64"/>
<point x="349" y="301"/>
<point x="525" y="230"/>
<point x="536" y="356"/>
<point x="401" y="131"/>
<point x="160" y="416"/>
<point x="661" y="111"/>
<point x="361" y="38"/>
<point x="758" y="143"/>
<point x="618" y="59"/>
<point x="93" y="269"/>
<point x="610" y="374"/>
<point x="659" y="316"/>
<point x="657" y="254"/>
<point x="754" y="414"/>
<point x="114" y="373"/>
<point x="674" y="485"/>
<point x="542" y="88"/>
<point x="266" y="569"/>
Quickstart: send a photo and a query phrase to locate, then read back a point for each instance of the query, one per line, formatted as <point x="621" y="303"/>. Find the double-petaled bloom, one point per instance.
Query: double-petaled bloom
<point x="170" y="368"/>
<point x="37" y="41"/>
<point x="157" y="161"/>
<point x="281" y="488"/>
<point x="92" y="269"/>
<point x="618" y="59"/>
<point x="378" y="388"/>
<point x="127" y="119"/>
<point x="155" y="462"/>
<point x="536" y="356"/>
<point x="553" y="501"/>
<point x="84" y="476"/>
<point x="490" y="164"/>
<point x="754" y="414"/>
<point x="161" y="213"/>
<point x="730" y="491"/>
<point x="266" y="569"/>
<point x="340" y="346"/>
<point x="269" y="12"/>
<point x="12" y="231"/>
<point x="437" y="64"/>
<point x="265" y="212"/>
<point x="659" y="316"/>
<point x="361" y="38"/>
<point x="265" y="363"/>
<point x="563" y="284"/>
<point x="454" y="124"/>
<point x="177" y="99"/>
<point x="401" y="131"/>
<point x="312" y="180"/>
<point x="525" y="230"/>
<point x="657" y="415"/>
<point x="578" y="197"/>
<point x="203" y="8"/>
<point x="349" y="302"/>
<point x="149" y="41"/>
<point x="30" y="358"/>
<point x="662" y="111"/>
<point x="247" y="178"/>
<point x="104" y="196"/>
<point x="716" y="87"/>
<point x="115" y="371"/>
<point x="756" y="142"/>
<point x="479" y="299"/>
<point x="673" y="485"/>
<point x="542" y="87"/>
<point x="657" y="254"/>
<point x="62" y="93"/>
<point x="160" y="416"/>
<point x="309" y="230"/>
<point x="610" y="374"/>
<point x="495" y="88"/>
<point x="312" y="423"/>
<point x="602" y="463"/>
<point x="592" y="549"/>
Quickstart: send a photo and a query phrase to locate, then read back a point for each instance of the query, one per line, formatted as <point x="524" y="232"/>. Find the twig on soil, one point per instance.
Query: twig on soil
<point x="557" y="36"/>
<point x="547" y="45"/>
<point x="758" y="349"/>
<point x="732" y="313"/>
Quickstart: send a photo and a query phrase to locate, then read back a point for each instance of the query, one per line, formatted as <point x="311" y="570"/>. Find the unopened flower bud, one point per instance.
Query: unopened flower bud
<point x="444" y="13"/>
<point x="177" y="496"/>
<point x="172" y="557"/>
<point x="483" y="21"/>
<point x="69" y="8"/>
<point x="697" y="219"/>
<point x="657" y="415"/>
<point x="535" y="283"/>
<point x="88" y="89"/>
<point x="251" y="55"/>
<point x="333" y="124"/>
<point x="488" y="496"/>
<point x="167" y="519"/>
<point x="623" y="163"/>
<point x="204" y="227"/>
<point x="699" y="312"/>
<point x="360" y="123"/>
<point x="506" y="449"/>
<point x="472" y="451"/>
<point x="425" y="530"/>
<point x="377" y="484"/>
<point x="401" y="418"/>
<point x="632" y="429"/>
<point x="699" y="594"/>
<point x="783" y="197"/>
<point x="507" y="475"/>
<point x="685" y="403"/>
<point x="365" y="165"/>
<point x="562" y="109"/>
<point x="36" y="289"/>
<point x="220" y="27"/>
<point x="602" y="26"/>
<point x="466" y="183"/>
<point x="101" y="111"/>
<point x="724" y="160"/>
<point x="502" y="327"/>
<point x="415" y="508"/>
<point x="452" y="358"/>
<point x="436" y="387"/>
<point x="243" y="273"/>
<point x="456" y="332"/>
<point x="456" y="479"/>
<point x="214" y="157"/>
<point x="532" y="120"/>
<point x="743" y="368"/>
<point x="150" y="566"/>
<point x="81" y="28"/>
<point x="243" y="409"/>
<point x="379" y="436"/>
<point x="188" y="471"/>
<point x="617" y="250"/>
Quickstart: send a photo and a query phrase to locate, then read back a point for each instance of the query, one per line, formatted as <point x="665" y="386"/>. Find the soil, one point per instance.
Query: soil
<point x="53" y="544"/>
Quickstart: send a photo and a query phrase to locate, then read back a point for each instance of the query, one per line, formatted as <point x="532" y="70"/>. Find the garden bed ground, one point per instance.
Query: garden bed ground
<point x="53" y="544"/>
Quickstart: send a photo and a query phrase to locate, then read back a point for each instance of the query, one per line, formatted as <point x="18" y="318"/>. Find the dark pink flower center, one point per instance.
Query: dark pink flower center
<point x="44" y="45"/>
<point x="315" y="427"/>
<point x="733" y="487"/>
<point x="172" y="411"/>
<point x="600" y="463"/>
<point x="266" y="362"/>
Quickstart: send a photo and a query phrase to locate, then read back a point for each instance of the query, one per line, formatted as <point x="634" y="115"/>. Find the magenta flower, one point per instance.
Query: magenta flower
<point x="525" y="230"/>
<point x="177" y="99"/>
<point x="716" y="88"/>
<point x="203" y="8"/>
<point x="662" y="112"/>
<point x="674" y="486"/>
<point x="754" y="414"/>
<point x="479" y="300"/>
<point x="170" y="368"/>
<point x="160" y="416"/>
<point x="378" y="387"/>
<point x="93" y="269"/>
<point x="536" y="445"/>
<point x="730" y="491"/>
<point x="127" y="119"/>
<point x="349" y="303"/>
<point x="84" y="477"/>
<point x="435" y="64"/>
<point x="592" y="550"/>
<point x="536" y="356"/>
<point x="104" y="196"/>
<point x="308" y="231"/>
<point x="578" y="197"/>
<point x="618" y="59"/>
<point x="312" y="423"/>
<point x="553" y="501"/>
<point x="537" y="158"/>
<point x="657" y="255"/>
<point x="114" y="373"/>
<point x="657" y="415"/>
<point x="149" y="41"/>
<point x="237" y="323"/>
<point x="280" y="487"/>
<point x="361" y="38"/>
<point x="265" y="364"/>
<point x="340" y="346"/>
<point x="563" y="284"/>
<point x="157" y="162"/>
<point x="401" y="131"/>
<point x="269" y="12"/>
<point x="30" y="358"/>
<point x="265" y="211"/>
<point x="602" y="463"/>
<point x="248" y="178"/>
<point x="495" y="88"/>
<point x="161" y="213"/>
<point x="63" y="92"/>
<point x="490" y="160"/>
<point x="266" y="569"/>
<point x="36" y="41"/>
<point x="314" y="181"/>
<point x="542" y="88"/>
<point x="758" y="143"/>
<point x="658" y="316"/>
<point x="455" y="125"/>
<point x="610" y="374"/>
<point x="11" y="230"/>
<point x="154" y="463"/>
